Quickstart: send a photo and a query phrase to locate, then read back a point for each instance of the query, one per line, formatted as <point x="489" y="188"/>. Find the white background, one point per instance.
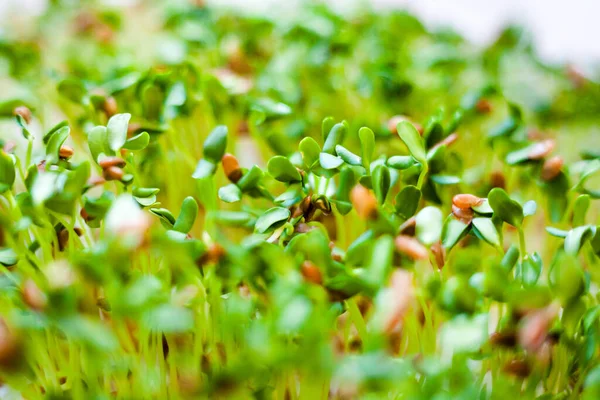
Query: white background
<point x="564" y="31"/>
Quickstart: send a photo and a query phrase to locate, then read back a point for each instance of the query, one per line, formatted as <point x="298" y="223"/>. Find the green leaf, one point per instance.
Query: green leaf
<point x="137" y="142"/>
<point x="230" y="193"/>
<point x="310" y="149"/>
<point x="168" y="319"/>
<point x="73" y="89"/>
<point x="358" y="250"/>
<point x="187" y="215"/>
<point x="271" y="219"/>
<point x="380" y="264"/>
<point x="313" y="246"/>
<point x="483" y="208"/>
<point x="566" y="277"/>
<point x="144" y="192"/>
<point x="381" y="182"/>
<point x="97" y="141"/>
<point x="487" y="231"/>
<point x="400" y="162"/>
<point x="445" y="179"/>
<point x="557" y="232"/>
<point x="204" y="169"/>
<point x="347" y="182"/>
<point x="505" y="128"/>
<point x="335" y="136"/>
<point x="529" y="208"/>
<point x="8" y="257"/>
<point x="89" y="332"/>
<point x="557" y="202"/>
<point x="590" y="319"/>
<point x="166" y="217"/>
<point x="271" y="108"/>
<point x="510" y="258"/>
<point x="580" y="208"/>
<point x="232" y="218"/>
<point x="577" y="237"/>
<point x="571" y="316"/>
<point x="251" y="179"/>
<point x="495" y="282"/>
<point x="520" y="156"/>
<point x="215" y="144"/>
<point x="595" y="242"/>
<point x="329" y="161"/>
<point x="464" y="334"/>
<point x="592" y="381"/>
<point x="436" y="157"/>
<point x="54" y="144"/>
<point x="44" y="187"/>
<point x="141" y="293"/>
<point x="453" y="231"/>
<point x="281" y="169"/>
<point x="410" y="136"/>
<point x="97" y="207"/>
<point x="407" y="201"/>
<point x="530" y="269"/>
<point x="53" y="130"/>
<point x="7" y="171"/>
<point x="433" y="131"/>
<point x="429" y="225"/>
<point x="367" y="146"/>
<point x="505" y="208"/>
<point x="348" y="156"/>
<point x="343" y="207"/>
<point x="145" y="201"/>
<point x="116" y="130"/>
<point x="457" y="296"/>
<point x="326" y="126"/>
<point x="527" y="298"/>
<point x="588" y="169"/>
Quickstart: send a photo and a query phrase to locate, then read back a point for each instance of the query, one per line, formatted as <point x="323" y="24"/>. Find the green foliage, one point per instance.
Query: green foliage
<point x="324" y="257"/>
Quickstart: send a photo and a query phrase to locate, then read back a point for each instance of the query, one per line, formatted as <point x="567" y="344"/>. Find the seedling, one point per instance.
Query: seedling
<point x="330" y="207"/>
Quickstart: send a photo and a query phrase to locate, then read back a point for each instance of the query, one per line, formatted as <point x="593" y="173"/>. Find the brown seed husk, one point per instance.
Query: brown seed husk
<point x="11" y="349"/>
<point x="440" y="254"/>
<point x="96" y="180"/>
<point x="24" y="112"/>
<point x="132" y="128"/>
<point x="465" y="201"/>
<point x="463" y="215"/>
<point x="215" y="253"/>
<point x="483" y="106"/>
<point x="401" y="292"/>
<point x="65" y="152"/>
<point x="33" y="296"/>
<point x="534" y="328"/>
<point x="551" y="168"/>
<point x="110" y="106"/>
<point x="411" y="247"/>
<point x="311" y="273"/>
<point x="448" y="140"/>
<point x="112" y="162"/>
<point x="408" y="227"/>
<point x="113" y="174"/>
<point x="504" y="338"/>
<point x="519" y="368"/>
<point x="541" y="149"/>
<point x="231" y="167"/>
<point x="497" y="180"/>
<point x="364" y="202"/>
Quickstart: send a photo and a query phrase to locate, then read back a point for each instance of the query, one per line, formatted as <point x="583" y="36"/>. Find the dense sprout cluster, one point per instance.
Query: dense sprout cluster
<point x="196" y="203"/>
